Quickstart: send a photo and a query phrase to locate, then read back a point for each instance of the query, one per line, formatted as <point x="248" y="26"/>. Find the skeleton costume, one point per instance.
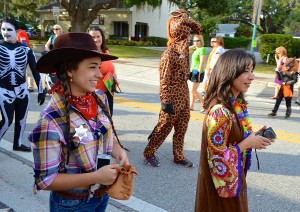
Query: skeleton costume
<point x="14" y="96"/>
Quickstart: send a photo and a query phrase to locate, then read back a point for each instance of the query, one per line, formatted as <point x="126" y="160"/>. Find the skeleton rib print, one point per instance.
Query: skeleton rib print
<point x="13" y="62"/>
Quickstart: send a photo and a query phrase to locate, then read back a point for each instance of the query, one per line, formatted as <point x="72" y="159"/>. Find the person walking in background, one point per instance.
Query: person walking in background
<point x="14" y="96"/>
<point x="50" y="79"/>
<point x="107" y="67"/>
<point x="22" y="37"/>
<point x="280" y="57"/>
<point x="288" y="77"/>
<point x="174" y="92"/>
<point x="57" y="29"/>
<point x="74" y="128"/>
<point x="298" y="96"/>
<point x="219" y="45"/>
<point x="197" y="69"/>
<point x="207" y="69"/>
<point x="227" y="136"/>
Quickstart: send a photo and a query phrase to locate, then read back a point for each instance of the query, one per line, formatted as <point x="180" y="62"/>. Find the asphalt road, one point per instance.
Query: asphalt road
<point x="275" y="187"/>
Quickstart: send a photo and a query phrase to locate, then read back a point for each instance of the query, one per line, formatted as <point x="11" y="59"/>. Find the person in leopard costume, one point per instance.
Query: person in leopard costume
<point x="174" y="72"/>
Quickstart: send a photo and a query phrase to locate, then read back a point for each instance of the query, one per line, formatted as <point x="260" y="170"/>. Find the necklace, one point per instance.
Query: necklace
<point x="243" y="116"/>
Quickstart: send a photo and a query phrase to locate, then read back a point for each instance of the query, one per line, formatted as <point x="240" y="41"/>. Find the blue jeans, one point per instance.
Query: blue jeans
<point x="59" y="203"/>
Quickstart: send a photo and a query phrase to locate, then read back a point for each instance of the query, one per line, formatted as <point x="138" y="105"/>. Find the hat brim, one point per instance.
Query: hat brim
<point x="47" y="63"/>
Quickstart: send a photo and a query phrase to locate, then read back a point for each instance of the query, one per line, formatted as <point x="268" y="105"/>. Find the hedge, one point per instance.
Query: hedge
<point x="230" y="43"/>
<point x="239" y="42"/>
<point x="269" y="42"/>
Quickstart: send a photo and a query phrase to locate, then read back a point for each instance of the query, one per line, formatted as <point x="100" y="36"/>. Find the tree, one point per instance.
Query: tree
<point x="24" y="10"/>
<point x="272" y="16"/>
<point x="83" y="12"/>
<point x="292" y="23"/>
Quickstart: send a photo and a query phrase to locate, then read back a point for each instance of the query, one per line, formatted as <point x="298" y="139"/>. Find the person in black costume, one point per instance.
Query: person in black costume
<point x="289" y="76"/>
<point x="14" y="95"/>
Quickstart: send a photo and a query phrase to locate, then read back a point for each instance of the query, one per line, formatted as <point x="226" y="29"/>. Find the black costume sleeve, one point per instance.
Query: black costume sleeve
<point x="293" y="79"/>
<point x="36" y="75"/>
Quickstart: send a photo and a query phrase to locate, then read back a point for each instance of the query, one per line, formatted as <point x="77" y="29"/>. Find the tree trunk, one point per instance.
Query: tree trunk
<point x="80" y="14"/>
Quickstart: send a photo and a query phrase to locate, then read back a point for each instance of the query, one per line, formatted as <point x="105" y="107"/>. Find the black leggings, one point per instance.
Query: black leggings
<point x="19" y="107"/>
<point x="288" y="100"/>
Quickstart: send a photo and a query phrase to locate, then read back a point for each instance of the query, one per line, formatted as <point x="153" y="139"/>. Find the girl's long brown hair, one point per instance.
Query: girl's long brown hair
<point x="229" y="66"/>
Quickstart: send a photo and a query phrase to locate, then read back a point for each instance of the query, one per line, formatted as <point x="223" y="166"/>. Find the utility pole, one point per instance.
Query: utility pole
<point x="4" y="8"/>
<point x="257" y="12"/>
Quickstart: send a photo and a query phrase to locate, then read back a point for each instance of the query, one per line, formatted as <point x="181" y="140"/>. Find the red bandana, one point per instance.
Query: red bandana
<point x="87" y="104"/>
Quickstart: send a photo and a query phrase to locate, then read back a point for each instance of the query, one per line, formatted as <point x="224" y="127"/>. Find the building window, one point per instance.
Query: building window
<point x="121" y="29"/>
<point x="99" y="20"/>
<point x="141" y="30"/>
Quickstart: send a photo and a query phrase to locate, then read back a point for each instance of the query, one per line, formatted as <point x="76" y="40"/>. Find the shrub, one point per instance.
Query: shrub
<point x="157" y="41"/>
<point x="269" y="42"/>
<point x="297" y="47"/>
<point x="232" y="43"/>
<point x="129" y="42"/>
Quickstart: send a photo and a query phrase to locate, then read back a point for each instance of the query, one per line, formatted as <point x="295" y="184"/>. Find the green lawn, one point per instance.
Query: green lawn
<point x="132" y="51"/>
<point x="264" y="68"/>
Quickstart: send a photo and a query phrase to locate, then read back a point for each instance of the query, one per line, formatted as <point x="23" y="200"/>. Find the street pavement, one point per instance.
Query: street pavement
<point x="144" y="70"/>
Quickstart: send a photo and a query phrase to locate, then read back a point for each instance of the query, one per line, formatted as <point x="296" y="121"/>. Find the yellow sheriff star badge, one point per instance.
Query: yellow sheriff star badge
<point x="81" y="132"/>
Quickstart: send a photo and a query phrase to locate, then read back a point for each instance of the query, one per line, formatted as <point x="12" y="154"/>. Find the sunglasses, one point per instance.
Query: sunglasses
<point x="213" y="41"/>
<point x="94" y="28"/>
<point x="56" y="29"/>
<point x="197" y="40"/>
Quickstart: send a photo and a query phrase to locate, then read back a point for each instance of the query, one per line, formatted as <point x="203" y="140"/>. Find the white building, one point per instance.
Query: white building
<point x="119" y="21"/>
<point x="226" y="30"/>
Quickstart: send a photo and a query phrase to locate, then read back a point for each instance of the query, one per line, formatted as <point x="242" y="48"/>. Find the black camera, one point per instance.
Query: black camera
<point x="102" y="160"/>
<point x="267" y="133"/>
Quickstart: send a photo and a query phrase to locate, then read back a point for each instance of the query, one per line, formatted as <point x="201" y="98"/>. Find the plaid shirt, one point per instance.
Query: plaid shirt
<point x="48" y="141"/>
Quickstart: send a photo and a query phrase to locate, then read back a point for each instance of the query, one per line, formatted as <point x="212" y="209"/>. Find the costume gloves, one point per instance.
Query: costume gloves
<point x="41" y="98"/>
<point x="168" y="108"/>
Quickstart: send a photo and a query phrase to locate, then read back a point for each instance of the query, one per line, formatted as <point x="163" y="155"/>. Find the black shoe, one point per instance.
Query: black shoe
<point x="288" y="112"/>
<point x="152" y="161"/>
<point x="22" y="148"/>
<point x="186" y="163"/>
<point x="273" y="114"/>
<point x="296" y="102"/>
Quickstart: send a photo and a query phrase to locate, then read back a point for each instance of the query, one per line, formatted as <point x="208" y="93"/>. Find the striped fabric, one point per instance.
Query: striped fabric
<point x="48" y="141"/>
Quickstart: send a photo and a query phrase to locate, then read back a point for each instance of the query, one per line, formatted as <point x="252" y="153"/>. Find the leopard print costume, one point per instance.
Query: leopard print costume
<point x="174" y="72"/>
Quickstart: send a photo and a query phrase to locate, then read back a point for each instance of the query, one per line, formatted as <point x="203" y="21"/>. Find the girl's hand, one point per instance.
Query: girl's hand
<point x="106" y="175"/>
<point x="261" y="129"/>
<point x="119" y="154"/>
<point x="258" y="142"/>
<point x="121" y="157"/>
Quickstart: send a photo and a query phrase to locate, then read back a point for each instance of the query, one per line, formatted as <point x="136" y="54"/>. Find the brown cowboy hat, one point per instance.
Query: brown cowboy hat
<point x="68" y="47"/>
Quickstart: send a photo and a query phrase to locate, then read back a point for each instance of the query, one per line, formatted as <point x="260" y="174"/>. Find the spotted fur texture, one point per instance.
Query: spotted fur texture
<point x="174" y="70"/>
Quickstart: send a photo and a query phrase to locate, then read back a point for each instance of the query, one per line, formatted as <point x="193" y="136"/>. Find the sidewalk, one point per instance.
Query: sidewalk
<point x="146" y="70"/>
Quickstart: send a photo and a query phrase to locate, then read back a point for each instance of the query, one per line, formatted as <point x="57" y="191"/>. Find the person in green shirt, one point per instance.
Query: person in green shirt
<point x="199" y="53"/>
